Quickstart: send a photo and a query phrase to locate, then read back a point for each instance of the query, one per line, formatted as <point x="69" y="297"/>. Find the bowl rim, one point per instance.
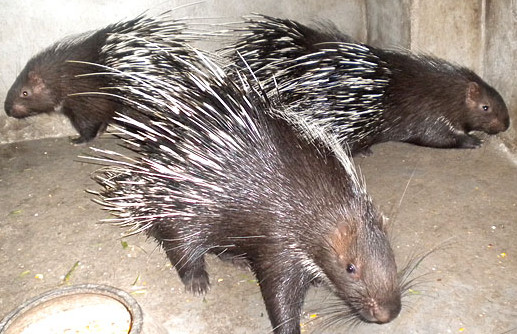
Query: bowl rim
<point x="134" y="309"/>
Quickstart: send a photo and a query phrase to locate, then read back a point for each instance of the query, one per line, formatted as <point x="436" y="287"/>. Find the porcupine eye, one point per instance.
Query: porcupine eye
<point x="25" y="93"/>
<point x="350" y="268"/>
<point x="485" y="108"/>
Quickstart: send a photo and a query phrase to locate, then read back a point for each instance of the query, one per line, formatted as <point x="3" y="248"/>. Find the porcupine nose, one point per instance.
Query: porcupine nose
<point x="383" y="316"/>
<point x="497" y="126"/>
<point x="381" y="311"/>
<point x="386" y="313"/>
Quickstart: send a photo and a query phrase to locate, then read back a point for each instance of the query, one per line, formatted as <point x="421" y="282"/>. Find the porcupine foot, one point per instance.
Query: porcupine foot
<point x="455" y="139"/>
<point x="191" y="269"/>
<point x="87" y="128"/>
<point x="458" y="141"/>
<point x="195" y="280"/>
<point x="468" y="141"/>
<point x="80" y="140"/>
<point x="186" y="257"/>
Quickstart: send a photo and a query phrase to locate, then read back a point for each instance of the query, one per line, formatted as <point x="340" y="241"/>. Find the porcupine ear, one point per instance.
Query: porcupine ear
<point x="36" y="81"/>
<point x="473" y="94"/>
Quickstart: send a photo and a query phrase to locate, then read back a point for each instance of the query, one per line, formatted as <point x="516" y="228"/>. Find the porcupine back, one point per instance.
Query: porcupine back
<point x="215" y="173"/>
<point x="50" y="80"/>
<point x="365" y="95"/>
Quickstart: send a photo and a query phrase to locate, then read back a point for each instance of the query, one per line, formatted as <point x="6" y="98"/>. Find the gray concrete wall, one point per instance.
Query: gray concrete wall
<point x="500" y="57"/>
<point x="388" y="23"/>
<point x="481" y="34"/>
<point x="30" y="26"/>
<point x="449" y="29"/>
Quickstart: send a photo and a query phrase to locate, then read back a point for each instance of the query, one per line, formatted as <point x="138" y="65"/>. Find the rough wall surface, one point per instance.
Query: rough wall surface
<point x="481" y="34"/>
<point x="448" y="29"/>
<point x="500" y="61"/>
<point x="30" y="26"/>
<point x="388" y="24"/>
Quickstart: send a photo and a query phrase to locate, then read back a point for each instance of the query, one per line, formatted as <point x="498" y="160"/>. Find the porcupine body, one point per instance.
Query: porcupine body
<point x="366" y="95"/>
<point x="51" y="79"/>
<point x="215" y="173"/>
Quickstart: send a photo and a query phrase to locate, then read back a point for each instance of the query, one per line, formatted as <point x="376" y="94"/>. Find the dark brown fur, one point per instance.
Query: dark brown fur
<point x="54" y="80"/>
<point x="430" y="102"/>
<point x="425" y="100"/>
<point x="46" y="82"/>
<point x="214" y="173"/>
<point x="292" y="213"/>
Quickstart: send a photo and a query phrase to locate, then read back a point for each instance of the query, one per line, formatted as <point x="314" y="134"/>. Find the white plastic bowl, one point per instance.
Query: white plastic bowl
<point x="79" y="309"/>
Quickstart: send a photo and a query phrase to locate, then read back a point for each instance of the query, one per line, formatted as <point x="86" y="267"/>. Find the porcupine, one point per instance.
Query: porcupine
<point x="51" y="79"/>
<point x="216" y="173"/>
<point x="366" y="95"/>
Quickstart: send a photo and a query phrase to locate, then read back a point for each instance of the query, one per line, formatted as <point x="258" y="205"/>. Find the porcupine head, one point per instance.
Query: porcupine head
<point x="51" y="78"/>
<point x="360" y="266"/>
<point x="30" y="94"/>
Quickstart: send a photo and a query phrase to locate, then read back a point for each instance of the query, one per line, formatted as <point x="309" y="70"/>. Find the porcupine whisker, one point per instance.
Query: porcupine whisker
<point x="338" y="318"/>
<point x="405" y="281"/>
<point x="412" y="265"/>
<point x="334" y="312"/>
<point x="407" y="185"/>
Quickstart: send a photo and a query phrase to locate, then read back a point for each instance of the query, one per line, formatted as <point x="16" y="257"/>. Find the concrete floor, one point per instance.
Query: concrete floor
<point x="462" y="202"/>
